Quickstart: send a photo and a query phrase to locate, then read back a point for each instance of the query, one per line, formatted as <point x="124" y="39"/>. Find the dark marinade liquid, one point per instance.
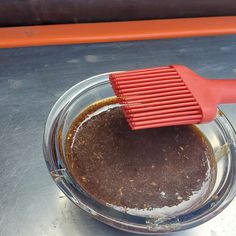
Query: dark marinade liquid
<point x="144" y="169"/>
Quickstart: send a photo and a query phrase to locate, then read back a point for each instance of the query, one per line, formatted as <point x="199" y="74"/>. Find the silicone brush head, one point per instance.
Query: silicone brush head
<point x="155" y="97"/>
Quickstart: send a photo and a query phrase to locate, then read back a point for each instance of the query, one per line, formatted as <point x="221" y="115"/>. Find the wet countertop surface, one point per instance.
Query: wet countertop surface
<point x="32" y="79"/>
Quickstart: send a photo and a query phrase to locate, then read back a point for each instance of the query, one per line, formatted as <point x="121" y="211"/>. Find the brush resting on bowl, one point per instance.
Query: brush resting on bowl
<point x="170" y="95"/>
<point x="105" y="172"/>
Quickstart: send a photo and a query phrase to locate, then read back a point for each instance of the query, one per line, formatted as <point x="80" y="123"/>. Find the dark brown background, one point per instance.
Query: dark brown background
<point x="34" y="12"/>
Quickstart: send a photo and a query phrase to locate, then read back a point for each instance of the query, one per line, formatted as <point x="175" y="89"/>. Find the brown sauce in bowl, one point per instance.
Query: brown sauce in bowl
<point x="170" y="169"/>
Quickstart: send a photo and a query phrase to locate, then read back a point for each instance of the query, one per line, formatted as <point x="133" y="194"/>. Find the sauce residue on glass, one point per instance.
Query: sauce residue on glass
<point x="166" y="170"/>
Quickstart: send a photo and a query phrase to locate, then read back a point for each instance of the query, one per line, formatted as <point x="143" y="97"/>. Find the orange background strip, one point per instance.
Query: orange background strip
<point x="115" y="31"/>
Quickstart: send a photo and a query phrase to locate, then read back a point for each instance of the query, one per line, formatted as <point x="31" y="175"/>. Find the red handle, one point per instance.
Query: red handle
<point x="225" y="90"/>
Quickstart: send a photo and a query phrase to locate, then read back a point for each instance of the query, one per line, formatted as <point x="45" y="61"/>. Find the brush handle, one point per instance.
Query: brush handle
<point x="224" y="90"/>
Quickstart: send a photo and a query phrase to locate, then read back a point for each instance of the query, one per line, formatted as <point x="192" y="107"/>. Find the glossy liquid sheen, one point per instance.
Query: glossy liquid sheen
<point x="160" y="171"/>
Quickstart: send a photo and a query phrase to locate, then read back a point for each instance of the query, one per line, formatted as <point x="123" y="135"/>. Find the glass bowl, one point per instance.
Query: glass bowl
<point x="219" y="133"/>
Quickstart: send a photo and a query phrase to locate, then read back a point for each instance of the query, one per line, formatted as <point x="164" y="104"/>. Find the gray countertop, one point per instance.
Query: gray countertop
<point x="32" y="79"/>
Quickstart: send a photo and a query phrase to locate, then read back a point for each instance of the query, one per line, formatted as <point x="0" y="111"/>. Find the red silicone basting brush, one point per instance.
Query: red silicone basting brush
<point x="170" y="95"/>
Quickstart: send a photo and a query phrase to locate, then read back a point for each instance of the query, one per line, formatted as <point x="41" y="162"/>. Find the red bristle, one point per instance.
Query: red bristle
<point x="151" y="80"/>
<point x="144" y="76"/>
<point x="169" y="119"/>
<point x="141" y="87"/>
<point x="164" y="95"/>
<point x="156" y="125"/>
<point x="146" y="83"/>
<point x="164" y="79"/>
<point x="151" y="90"/>
<point x="164" y="115"/>
<point x="156" y="99"/>
<point x="159" y="103"/>
<point x="133" y="114"/>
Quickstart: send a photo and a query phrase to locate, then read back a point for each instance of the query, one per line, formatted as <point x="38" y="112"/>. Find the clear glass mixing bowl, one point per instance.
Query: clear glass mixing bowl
<point x="220" y="134"/>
